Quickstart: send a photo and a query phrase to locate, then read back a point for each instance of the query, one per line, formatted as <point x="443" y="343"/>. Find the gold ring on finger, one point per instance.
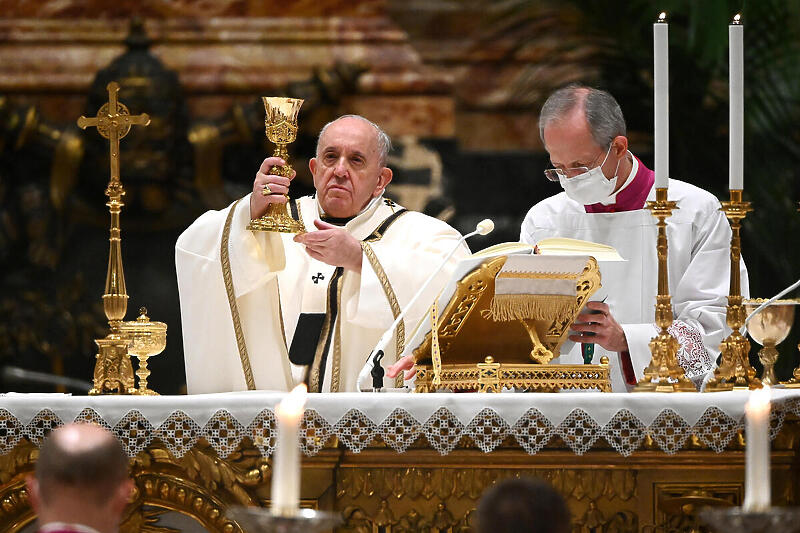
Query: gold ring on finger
<point x="266" y="191"/>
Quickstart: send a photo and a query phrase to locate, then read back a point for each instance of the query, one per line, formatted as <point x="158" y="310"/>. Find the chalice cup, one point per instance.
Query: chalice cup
<point x="146" y="340"/>
<point x="769" y="328"/>
<point x="281" y="126"/>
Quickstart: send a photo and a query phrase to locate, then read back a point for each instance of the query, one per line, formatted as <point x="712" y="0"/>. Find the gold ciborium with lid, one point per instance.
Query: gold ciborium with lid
<point x="146" y="340"/>
<point x="769" y="328"/>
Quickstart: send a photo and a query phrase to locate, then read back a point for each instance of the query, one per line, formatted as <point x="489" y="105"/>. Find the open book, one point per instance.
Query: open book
<point x="554" y="246"/>
<point x="564" y="246"/>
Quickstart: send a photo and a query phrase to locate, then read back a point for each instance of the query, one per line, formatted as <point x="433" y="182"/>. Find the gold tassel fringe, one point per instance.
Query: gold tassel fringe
<point x="507" y="307"/>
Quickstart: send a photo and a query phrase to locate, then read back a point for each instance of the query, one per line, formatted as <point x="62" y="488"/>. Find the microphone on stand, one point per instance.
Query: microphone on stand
<point x="373" y="366"/>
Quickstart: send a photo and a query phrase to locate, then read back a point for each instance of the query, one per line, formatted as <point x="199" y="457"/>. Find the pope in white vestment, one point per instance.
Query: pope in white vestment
<point x="604" y="204"/>
<point x="311" y="307"/>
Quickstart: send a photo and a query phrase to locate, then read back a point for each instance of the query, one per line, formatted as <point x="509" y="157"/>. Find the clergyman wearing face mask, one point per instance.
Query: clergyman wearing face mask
<point x="586" y="185"/>
<point x="605" y="191"/>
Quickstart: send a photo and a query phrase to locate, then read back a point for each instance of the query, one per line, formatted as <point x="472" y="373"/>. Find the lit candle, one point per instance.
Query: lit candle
<point x="661" y="84"/>
<point x="286" y="461"/>
<point x="756" y="475"/>
<point x="736" y="119"/>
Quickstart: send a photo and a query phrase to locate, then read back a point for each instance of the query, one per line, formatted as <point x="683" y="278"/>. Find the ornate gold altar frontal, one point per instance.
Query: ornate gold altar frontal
<point x="280" y="122"/>
<point x="113" y="372"/>
<point x="484" y="342"/>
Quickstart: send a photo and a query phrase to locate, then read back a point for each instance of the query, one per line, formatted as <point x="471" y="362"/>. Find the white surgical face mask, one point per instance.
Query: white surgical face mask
<point x="592" y="186"/>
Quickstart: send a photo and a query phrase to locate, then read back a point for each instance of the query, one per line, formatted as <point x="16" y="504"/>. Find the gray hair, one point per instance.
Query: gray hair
<point x="383" y="140"/>
<point x="601" y="110"/>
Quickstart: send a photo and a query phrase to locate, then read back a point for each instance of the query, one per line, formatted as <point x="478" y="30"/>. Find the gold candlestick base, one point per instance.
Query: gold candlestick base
<point x="735" y="371"/>
<point x="663" y="374"/>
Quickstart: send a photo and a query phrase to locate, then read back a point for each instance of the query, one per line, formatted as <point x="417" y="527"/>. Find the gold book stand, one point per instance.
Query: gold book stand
<point x="472" y="347"/>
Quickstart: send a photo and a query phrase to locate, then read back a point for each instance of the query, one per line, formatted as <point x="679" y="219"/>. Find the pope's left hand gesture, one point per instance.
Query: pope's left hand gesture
<point x="597" y="325"/>
<point x="332" y="245"/>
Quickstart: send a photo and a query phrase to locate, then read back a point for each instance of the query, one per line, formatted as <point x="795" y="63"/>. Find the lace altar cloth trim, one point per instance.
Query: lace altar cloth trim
<point x="441" y="422"/>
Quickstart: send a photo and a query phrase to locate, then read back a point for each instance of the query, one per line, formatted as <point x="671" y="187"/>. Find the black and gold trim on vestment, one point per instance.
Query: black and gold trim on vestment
<point x="316" y="376"/>
<point x="332" y="329"/>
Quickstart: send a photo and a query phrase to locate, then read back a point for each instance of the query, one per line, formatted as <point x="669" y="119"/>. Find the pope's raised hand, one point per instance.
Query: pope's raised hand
<point x="268" y="188"/>
<point x="332" y="245"/>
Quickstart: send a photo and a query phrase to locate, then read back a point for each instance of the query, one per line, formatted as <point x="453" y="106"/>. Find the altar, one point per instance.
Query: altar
<point x="399" y="462"/>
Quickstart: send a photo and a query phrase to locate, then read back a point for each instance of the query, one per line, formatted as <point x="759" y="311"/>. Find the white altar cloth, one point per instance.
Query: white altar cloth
<point x="399" y="419"/>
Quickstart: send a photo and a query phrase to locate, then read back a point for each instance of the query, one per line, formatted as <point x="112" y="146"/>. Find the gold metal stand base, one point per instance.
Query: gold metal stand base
<point x="284" y="224"/>
<point x="113" y="372"/>
<point x="660" y="375"/>
<point x="493" y="377"/>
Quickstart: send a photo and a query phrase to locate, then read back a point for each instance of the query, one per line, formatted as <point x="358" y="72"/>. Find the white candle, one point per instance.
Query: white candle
<point x="736" y="120"/>
<point x="661" y="84"/>
<point x="286" y="461"/>
<point x="756" y="476"/>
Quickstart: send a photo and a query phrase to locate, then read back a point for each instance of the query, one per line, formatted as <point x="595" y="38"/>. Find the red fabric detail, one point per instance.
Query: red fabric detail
<point x="627" y="368"/>
<point x="631" y="197"/>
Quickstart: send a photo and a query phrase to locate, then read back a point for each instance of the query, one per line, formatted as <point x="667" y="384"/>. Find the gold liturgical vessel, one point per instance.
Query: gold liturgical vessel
<point x="146" y="340"/>
<point x="663" y="374"/>
<point x="281" y="126"/>
<point x="113" y="372"/>
<point x="769" y="328"/>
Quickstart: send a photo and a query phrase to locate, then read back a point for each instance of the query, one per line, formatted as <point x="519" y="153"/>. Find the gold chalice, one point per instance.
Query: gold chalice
<point x="281" y="125"/>
<point x="147" y="339"/>
<point x="769" y="328"/>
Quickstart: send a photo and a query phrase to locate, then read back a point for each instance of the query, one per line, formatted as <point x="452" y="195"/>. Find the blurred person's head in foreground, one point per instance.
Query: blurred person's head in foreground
<point x="522" y="505"/>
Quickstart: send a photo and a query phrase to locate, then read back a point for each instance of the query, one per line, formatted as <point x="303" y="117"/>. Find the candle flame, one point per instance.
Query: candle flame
<point x="293" y="404"/>
<point x="737" y="19"/>
<point x="759" y="398"/>
<point x="662" y="17"/>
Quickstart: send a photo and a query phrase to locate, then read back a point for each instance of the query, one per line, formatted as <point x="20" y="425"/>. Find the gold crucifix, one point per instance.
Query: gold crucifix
<point x="113" y="369"/>
<point x="113" y="122"/>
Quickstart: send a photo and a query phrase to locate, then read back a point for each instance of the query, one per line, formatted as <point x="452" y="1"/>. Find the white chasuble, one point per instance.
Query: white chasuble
<point x="698" y="265"/>
<point x="275" y="287"/>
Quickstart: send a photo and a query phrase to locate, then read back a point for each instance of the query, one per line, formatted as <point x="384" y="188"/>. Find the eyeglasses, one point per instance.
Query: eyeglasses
<point x="555" y="174"/>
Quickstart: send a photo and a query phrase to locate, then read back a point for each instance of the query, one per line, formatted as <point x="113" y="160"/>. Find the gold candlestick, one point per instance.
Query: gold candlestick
<point x="663" y="374"/>
<point x="735" y="371"/>
<point x="113" y="370"/>
<point x="281" y="126"/>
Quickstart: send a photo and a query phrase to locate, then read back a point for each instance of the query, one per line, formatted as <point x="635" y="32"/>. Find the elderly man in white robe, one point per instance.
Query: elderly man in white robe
<point x="605" y="190"/>
<point x="264" y="310"/>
